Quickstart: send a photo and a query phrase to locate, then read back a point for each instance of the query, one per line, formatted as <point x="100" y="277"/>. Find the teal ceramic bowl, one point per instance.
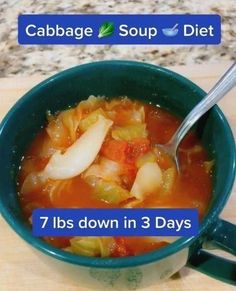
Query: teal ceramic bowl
<point x="151" y="84"/>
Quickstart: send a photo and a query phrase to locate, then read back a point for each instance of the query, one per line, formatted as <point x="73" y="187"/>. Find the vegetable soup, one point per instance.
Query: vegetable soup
<point x="103" y="154"/>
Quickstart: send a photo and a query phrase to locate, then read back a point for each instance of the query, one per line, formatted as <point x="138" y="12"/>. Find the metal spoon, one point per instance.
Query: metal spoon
<point x="221" y="88"/>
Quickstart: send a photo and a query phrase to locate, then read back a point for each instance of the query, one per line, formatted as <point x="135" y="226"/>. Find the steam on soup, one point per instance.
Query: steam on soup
<point x="103" y="154"/>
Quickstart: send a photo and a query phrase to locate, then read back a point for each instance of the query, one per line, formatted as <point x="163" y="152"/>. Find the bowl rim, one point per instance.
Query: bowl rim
<point x="150" y="257"/>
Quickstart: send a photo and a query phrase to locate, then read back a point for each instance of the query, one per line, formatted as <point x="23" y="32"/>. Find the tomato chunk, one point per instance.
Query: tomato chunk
<point x="121" y="248"/>
<point x="115" y="150"/>
<point x="137" y="148"/>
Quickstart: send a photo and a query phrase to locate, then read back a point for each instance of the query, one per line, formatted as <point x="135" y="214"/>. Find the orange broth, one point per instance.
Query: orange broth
<point x="192" y="188"/>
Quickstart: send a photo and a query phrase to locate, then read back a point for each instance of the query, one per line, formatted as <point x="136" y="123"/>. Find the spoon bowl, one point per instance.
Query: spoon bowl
<point x="221" y="88"/>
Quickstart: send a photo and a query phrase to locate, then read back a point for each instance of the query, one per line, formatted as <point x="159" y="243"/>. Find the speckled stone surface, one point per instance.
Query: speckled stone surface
<point x="29" y="60"/>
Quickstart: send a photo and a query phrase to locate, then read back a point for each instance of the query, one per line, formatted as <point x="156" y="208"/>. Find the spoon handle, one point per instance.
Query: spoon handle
<point x="175" y="26"/>
<point x="225" y="84"/>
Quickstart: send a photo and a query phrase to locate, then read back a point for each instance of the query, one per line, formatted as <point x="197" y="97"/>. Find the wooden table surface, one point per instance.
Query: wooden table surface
<point x="20" y="268"/>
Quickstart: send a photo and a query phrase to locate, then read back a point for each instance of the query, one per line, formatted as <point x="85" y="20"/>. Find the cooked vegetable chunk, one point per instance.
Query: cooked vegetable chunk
<point x="91" y="246"/>
<point x="129" y="132"/>
<point x="148" y="157"/>
<point x="106" y="169"/>
<point x="62" y="129"/>
<point x="148" y="180"/>
<point x="110" y="192"/>
<point x="169" y="176"/>
<point x="115" y="150"/>
<point x="80" y="155"/>
<point x="91" y="119"/>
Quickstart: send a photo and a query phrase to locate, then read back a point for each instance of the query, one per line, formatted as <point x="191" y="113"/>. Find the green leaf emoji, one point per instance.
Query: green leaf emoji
<point x="106" y="29"/>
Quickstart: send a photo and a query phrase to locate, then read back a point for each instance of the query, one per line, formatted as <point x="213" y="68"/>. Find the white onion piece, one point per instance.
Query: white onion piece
<point x="80" y="155"/>
<point x="148" y="180"/>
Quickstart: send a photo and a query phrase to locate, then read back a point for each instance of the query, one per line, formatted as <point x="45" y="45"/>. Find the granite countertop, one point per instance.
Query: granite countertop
<point x="27" y="60"/>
